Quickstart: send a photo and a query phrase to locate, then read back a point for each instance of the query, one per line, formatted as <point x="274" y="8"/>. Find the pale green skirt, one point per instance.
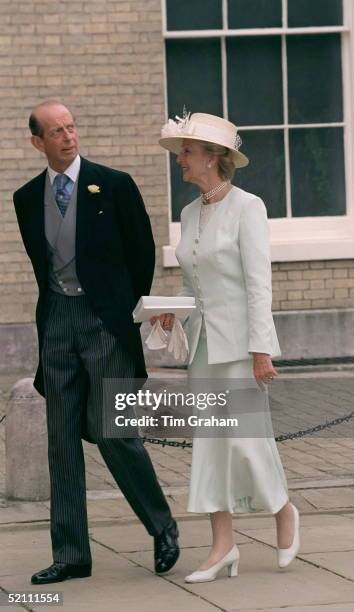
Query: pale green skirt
<point x="233" y="474"/>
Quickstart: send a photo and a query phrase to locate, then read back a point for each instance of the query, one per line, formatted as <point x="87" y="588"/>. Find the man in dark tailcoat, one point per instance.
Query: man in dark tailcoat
<point x="86" y="231"/>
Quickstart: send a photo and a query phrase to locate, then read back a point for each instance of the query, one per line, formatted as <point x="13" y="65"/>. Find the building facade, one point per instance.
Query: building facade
<point x="282" y="70"/>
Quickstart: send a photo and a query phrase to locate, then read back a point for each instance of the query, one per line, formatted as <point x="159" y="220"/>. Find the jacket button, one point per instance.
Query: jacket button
<point x="196" y="240"/>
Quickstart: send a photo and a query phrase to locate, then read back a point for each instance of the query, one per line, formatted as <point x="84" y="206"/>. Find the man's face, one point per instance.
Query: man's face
<point x="59" y="141"/>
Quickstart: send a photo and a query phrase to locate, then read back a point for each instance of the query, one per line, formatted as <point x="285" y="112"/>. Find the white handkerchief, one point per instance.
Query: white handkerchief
<point x="178" y="344"/>
<point x="157" y="338"/>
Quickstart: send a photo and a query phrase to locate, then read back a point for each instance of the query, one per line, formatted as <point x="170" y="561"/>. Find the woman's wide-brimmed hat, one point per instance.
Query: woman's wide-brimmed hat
<point x="206" y="128"/>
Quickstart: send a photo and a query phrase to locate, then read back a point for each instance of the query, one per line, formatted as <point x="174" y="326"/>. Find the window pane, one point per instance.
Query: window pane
<point x="182" y="193"/>
<point x="193" y="14"/>
<point x="255" y="94"/>
<point x="264" y="176"/>
<point x="317" y="172"/>
<point x="315" y="78"/>
<point x="302" y="13"/>
<point x="194" y="76"/>
<point x="254" y="13"/>
<point x="188" y="61"/>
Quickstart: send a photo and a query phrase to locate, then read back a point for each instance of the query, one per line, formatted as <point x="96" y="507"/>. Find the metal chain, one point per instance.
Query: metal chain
<point x="288" y="436"/>
<point x="310" y="430"/>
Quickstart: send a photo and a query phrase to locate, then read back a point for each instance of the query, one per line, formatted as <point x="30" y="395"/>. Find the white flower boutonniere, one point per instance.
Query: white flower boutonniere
<point x="94" y="189"/>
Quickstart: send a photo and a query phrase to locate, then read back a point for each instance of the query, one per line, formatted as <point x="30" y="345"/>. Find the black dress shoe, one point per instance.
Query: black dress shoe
<point x="166" y="548"/>
<point x="58" y="572"/>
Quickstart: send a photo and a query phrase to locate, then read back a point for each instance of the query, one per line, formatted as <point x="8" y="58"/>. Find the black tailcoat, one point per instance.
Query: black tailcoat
<point x="115" y="254"/>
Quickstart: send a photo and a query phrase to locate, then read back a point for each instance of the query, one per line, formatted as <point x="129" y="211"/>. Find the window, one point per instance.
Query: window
<point x="280" y="70"/>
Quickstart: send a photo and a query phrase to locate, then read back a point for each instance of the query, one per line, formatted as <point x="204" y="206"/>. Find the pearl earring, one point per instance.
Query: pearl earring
<point x="209" y="165"/>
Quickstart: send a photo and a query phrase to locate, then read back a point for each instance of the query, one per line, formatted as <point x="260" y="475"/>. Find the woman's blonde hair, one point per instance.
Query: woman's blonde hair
<point x="226" y="165"/>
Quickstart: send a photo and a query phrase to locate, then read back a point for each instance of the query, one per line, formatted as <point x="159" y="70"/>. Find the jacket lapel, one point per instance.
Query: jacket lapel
<point x="88" y="204"/>
<point x="193" y="224"/>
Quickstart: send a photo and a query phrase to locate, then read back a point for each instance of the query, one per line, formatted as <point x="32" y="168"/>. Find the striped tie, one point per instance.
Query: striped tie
<point x="62" y="192"/>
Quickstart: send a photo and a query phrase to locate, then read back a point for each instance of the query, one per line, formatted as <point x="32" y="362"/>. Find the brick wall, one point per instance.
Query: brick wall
<point x="310" y="285"/>
<point x="305" y="285"/>
<point x="104" y="59"/>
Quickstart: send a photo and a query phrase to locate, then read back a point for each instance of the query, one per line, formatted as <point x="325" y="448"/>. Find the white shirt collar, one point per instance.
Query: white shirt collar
<point x="72" y="171"/>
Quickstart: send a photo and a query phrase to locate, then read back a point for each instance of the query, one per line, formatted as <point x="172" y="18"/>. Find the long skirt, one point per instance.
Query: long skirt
<point x="234" y="474"/>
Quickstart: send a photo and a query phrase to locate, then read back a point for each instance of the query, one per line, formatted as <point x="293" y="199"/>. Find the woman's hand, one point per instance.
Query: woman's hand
<point x="263" y="368"/>
<point x="166" y="319"/>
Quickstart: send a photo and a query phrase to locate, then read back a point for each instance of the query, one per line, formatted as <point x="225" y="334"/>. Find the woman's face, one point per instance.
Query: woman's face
<point x="194" y="160"/>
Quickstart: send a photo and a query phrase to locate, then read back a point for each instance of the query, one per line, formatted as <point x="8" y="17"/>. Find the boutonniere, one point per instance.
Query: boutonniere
<point x="94" y="188"/>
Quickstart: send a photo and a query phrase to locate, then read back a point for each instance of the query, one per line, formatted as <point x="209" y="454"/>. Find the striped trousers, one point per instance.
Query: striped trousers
<point x="77" y="353"/>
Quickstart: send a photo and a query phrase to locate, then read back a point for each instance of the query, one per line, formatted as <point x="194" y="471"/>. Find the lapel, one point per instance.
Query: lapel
<point x="193" y="223"/>
<point x="35" y="219"/>
<point x="88" y="204"/>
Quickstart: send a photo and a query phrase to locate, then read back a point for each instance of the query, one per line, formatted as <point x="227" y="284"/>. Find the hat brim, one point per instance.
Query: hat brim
<point x="174" y="145"/>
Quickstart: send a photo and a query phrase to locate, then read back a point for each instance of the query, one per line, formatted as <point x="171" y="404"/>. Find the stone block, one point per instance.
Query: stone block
<point x="27" y="475"/>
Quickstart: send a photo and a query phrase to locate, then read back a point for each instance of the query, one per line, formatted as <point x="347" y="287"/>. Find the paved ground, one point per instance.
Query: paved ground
<point x="320" y="476"/>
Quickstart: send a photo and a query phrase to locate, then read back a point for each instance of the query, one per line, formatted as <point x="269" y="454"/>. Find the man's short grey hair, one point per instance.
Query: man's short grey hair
<point x="34" y="124"/>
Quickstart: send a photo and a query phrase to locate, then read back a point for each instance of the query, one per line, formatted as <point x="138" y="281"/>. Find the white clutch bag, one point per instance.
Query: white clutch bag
<point x="154" y="305"/>
<point x="181" y="307"/>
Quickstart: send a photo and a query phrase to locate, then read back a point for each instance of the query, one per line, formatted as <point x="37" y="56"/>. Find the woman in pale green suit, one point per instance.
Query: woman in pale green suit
<point x="225" y="260"/>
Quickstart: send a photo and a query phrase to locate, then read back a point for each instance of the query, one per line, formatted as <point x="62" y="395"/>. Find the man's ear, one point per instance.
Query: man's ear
<point x="37" y="142"/>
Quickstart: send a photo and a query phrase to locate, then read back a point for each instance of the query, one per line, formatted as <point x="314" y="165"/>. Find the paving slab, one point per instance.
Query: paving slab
<point x="323" y="536"/>
<point x="341" y="563"/>
<point x="14" y="512"/>
<point x="259" y="521"/>
<point x="123" y="575"/>
<point x="193" y="534"/>
<point x="116" y="584"/>
<point x="328" y="498"/>
<point x="260" y="583"/>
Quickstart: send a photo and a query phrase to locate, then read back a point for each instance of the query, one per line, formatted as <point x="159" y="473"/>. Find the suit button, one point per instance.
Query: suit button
<point x="194" y="252"/>
<point x="196" y="240"/>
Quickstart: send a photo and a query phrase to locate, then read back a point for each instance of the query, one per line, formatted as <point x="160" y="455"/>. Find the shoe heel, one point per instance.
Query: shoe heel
<point x="232" y="569"/>
<point x="81" y="572"/>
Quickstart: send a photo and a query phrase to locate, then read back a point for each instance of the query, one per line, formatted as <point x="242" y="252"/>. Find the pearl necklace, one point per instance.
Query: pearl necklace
<point x="209" y="194"/>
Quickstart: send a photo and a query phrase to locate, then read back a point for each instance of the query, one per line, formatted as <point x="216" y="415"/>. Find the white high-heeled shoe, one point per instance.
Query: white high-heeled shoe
<point x="287" y="555"/>
<point x="231" y="561"/>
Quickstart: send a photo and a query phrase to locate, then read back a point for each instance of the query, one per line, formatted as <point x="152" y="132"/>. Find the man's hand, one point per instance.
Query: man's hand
<point x="263" y="368"/>
<point x="166" y="319"/>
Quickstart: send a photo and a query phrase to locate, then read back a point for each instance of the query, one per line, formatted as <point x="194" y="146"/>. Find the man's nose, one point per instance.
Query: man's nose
<point x="67" y="134"/>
